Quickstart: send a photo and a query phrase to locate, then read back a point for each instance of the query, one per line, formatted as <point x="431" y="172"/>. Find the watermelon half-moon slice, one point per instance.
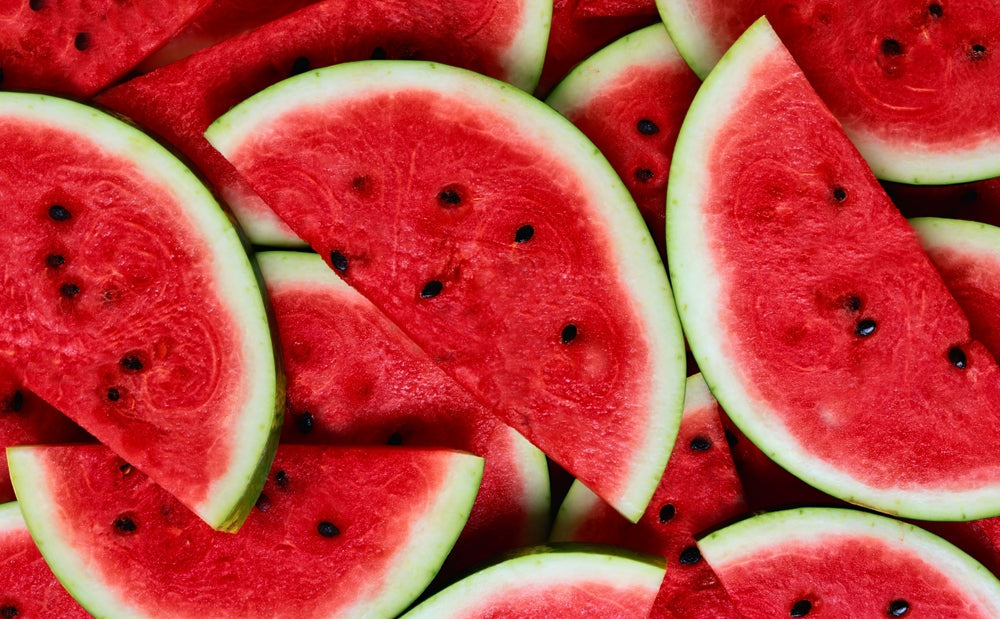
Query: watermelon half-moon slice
<point x="337" y="532"/>
<point x="830" y="562"/>
<point x="816" y="318"/>
<point x="908" y="79"/>
<point x="129" y="304"/>
<point x="495" y="235"/>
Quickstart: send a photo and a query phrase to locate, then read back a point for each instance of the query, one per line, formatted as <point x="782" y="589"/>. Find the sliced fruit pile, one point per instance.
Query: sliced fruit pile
<point x="469" y="308"/>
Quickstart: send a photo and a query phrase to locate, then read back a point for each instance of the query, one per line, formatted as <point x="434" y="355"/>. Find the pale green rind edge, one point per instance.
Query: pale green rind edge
<point x="10" y="518"/>
<point x="639" y="265"/>
<point x="562" y="566"/>
<point x="284" y="268"/>
<point x="524" y="57"/>
<point x="696" y="289"/>
<point x="968" y="237"/>
<point x="688" y="33"/>
<point x="261" y="225"/>
<point x="232" y="496"/>
<point x="743" y="541"/>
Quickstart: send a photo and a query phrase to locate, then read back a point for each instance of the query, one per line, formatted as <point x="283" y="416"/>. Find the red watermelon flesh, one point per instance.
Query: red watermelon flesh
<point x="336" y="532"/>
<point x="355" y="379"/>
<point x="78" y="48"/>
<point x="614" y="8"/>
<point x="27" y="586"/>
<point x="179" y="101"/>
<point x="630" y="99"/>
<point x="978" y="201"/>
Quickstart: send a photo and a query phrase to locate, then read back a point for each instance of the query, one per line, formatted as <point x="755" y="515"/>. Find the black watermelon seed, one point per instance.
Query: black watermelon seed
<point x="82" y="41"/>
<point x="432" y="289"/>
<point x="58" y="212"/>
<point x="935" y="10"/>
<point x="114" y="395"/>
<point x="839" y="194"/>
<point x="891" y="47"/>
<point x="125" y="469"/>
<point x="568" y="334"/>
<point x="395" y="439"/>
<point x="124" y="524"/>
<point x="690" y="555"/>
<point x="957" y="357"/>
<point x="731" y="438"/>
<point x="643" y="175"/>
<point x="898" y="608"/>
<point x="8" y="611"/>
<point x="647" y="127"/>
<point x="701" y="443"/>
<point x="338" y="260"/>
<point x="281" y="478"/>
<point x="865" y="328"/>
<point x="54" y="261"/>
<point x="16" y="401"/>
<point x="263" y="502"/>
<point x="449" y="197"/>
<point x="801" y="608"/>
<point x="300" y="65"/>
<point x="1" y="75"/>
<point x="327" y="529"/>
<point x="523" y="234"/>
<point x="378" y="53"/>
<point x="131" y="363"/>
<point x="978" y="52"/>
<point x="852" y="304"/>
<point x="305" y="422"/>
<point x="69" y="290"/>
<point x="667" y="513"/>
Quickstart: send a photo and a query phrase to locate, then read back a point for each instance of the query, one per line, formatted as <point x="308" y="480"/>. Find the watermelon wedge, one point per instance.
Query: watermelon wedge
<point x="828" y="562"/>
<point x="535" y="285"/>
<point x="130" y="305"/>
<point x="355" y="379"/>
<point x="815" y="316"/>
<point x="906" y="78"/>
<point x="179" y="101"/>
<point x="336" y="532"/>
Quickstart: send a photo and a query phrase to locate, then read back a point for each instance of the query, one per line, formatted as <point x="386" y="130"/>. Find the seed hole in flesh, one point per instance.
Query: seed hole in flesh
<point x="327" y="529"/>
<point x="125" y="469"/>
<point x="801" y="608"/>
<point x="839" y="194"/>
<point x="667" y="513"/>
<point x="700" y="443"/>
<point x="690" y="555"/>
<point x="935" y="10"/>
<point x="647" y="127"/>
<point x="568" y="334"/>
<point x="131" y="363"/>
<point x="378" y="53"/>
<point x="69" y="290"/>
<point x="125" y="525"/>
<point x="263" y="502"/>
<point x="978" y="52"/>
<point x="300" y="65"/>
<point x="395" y="439"/>
<point x="54" y="261"/>
<point x="852" y="303"/>
<point x="957" y="357"/>
<point x="82" y="41"/>
<point x="281" y="478"/>
<point x="304" y="422"/>
<point x="58" y="212"/>
<point x="431" y="289"/>
<point x="865" y="327"/>
<point x="338" y="260"/>
<point x="114" y="395"/>
<point x="524" y="234"/>
<point x="891" y="47"/>
<point x="16" y="402"/>
<point x="898" y="608"/>
<point x="731" y="438"/>
<point x="8" y="611"/>
<point x="360" y="184"/>
<point x="449" y="197"/>
<point x="643" y="175"/>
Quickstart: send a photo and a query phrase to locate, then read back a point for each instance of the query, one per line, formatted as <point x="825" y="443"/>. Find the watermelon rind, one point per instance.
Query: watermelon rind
<point x="760" y="535"/>
<point x="526" y="54"/>
<point x="10" y="517"/>
<point x="971" y="236"/>
<point x="636" y="260"/>
<point x="234" y="490"/>
<point x="688" y="34"/>
<point x="570" y="565"/>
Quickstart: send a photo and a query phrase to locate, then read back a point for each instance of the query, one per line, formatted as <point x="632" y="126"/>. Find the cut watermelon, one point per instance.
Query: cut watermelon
<point x="827" y="562"/>
<point x="907" y="78"/>
<point x="813" y="313"/>
<point x="630" y="99"/>
<point x="355" y="379"/>
<point x="130" y="304"/>
<point x="336" y="532"/>
<point x="27" y="586"/>
<point x="78" y="48"/>
<point x="496" y="236"/>
<point x="614" y="8"/>
<point x="575" y="580"/>
<point x="179" y="101"/>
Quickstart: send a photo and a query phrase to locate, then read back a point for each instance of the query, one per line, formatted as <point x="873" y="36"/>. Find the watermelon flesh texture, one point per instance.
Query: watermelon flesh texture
<point x="905" y="77"/>
<point x="129" y="304"/>
<point x="79" y="48"/>
<point x="614" y="8"/>
<point x="355" y="379"/>
<point x="699" y="490"/>
<point x="179" y="101"/>
<point x="509" y="274"/>
<point x="829" y="562"/>
<point x="336" y="532"/>
<point x="27" y="586"/>
<point x="630" y="99"/>
<point x="812" y="310"/>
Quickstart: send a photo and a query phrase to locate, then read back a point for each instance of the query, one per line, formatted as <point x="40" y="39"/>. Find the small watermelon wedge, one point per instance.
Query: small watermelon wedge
<point x="906" y="78"/>
<point x="830" y="562"/>
<point x="130" y="305"/>
<point x="337" y="532"/>
<point x="535" y="285"/>
<point x="816" y="318"/>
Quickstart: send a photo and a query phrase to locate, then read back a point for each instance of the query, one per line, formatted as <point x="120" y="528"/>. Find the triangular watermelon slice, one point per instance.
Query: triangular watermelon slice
<point x="129" y="304"/>
<point x="495" y="235"/>
<point x="815" y="316"/>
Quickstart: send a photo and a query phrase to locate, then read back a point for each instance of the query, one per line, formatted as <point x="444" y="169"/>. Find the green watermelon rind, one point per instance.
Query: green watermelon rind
<point x="570" y="565"/>
<point x="689" y="36"/>
<point x="970" y="237"/>
<point x="741" y="542"/>
<point x="637" y="261"/>
<point x="11" y="519"/>
<point x="526" y="54"/>
<point x="231" y="496"/>
<point x="697" y="289"/>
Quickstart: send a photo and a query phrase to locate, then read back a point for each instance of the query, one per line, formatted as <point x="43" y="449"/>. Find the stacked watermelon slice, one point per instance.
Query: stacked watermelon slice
<point x="508" y="245"/>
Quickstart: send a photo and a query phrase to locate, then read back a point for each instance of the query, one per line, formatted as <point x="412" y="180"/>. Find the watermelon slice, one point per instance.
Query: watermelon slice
<point x="630" y="99"/>
<point x="816" y="318"/>
<point x="907" y="78"/>
<point x="336" y="532"/>
<point x="27" y="586"/>
<point x="828" y="562"/>
<point x="78" y="48"/>
<point x="575" y="580"/>
<point x="494" y="234"/>
<point x="355" y="379"/>
<point x="130" y="304"/>
<point x="179" y="101"/>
